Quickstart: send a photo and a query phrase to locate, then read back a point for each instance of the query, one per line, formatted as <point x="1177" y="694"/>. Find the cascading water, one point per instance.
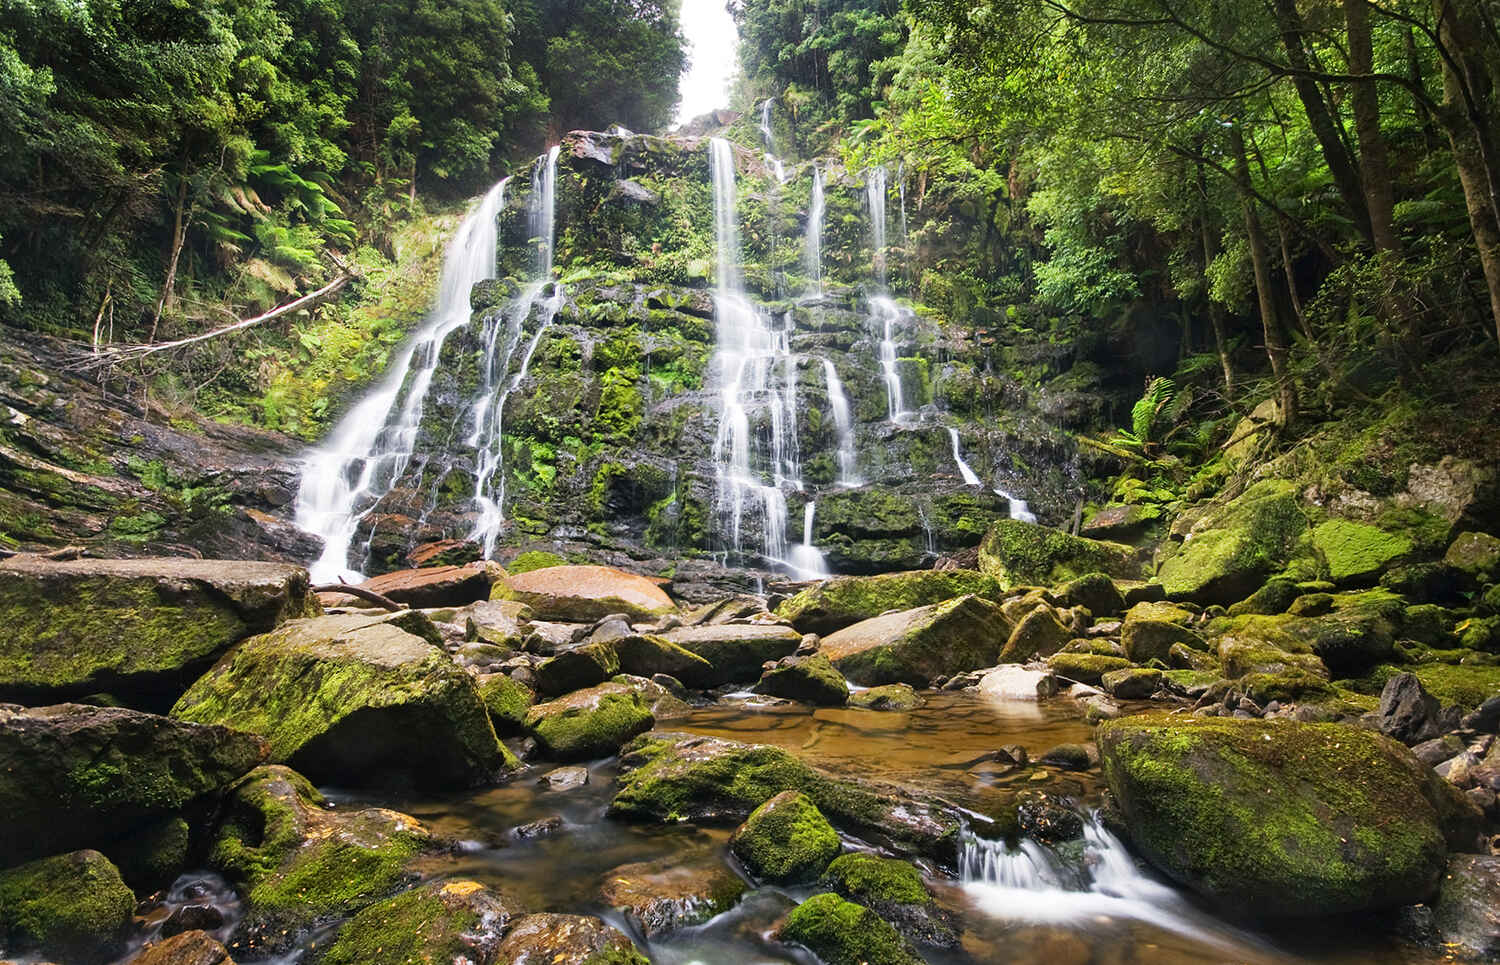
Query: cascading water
<point x="806" y="561"/>
<point x="769" y="136"/>
<point x="343" y="479"/>
<point x="813" y="244"/>
<point x="503" y="334"/>
<point x="843" y="423"/>
<point x="875" y="192"/>
<point x="1018" y="508"/>
<point x="887" y="314"/>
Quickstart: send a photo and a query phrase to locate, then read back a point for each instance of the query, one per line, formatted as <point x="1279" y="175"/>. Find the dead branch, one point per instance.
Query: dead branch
<point x="364" y="594"/>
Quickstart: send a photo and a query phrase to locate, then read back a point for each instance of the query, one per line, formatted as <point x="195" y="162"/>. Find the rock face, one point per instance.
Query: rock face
<point x="442" y="921"/>
<point x="665" y="895"/>
<point x="434" y="586"/>
<point x="354" y="700"/>
<point x="72" y="906"/>
<point x="589" y="723"/>
<point x="582" y="594"/>
<point x="73" y="776"/>
<point x="842" y="601"/>
<point x="840" y="932"/>
<point x="1274" y="818"/>
<point x="139" y="629"/>
<point x="567" y="940"/>
<point x="786" y="840"/>
<point x="916" y="646"/>
<point x="1025" y="554"/>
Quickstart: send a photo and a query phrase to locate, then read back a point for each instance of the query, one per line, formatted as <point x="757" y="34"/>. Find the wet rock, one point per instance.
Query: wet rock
<point x="897" y="697"/>
<point x="192" y="917"/>
<point x="1131" y="683"/>
<point x="295" y="861"/>
<point x="73" y="776"/>
<point x="1017" y="683"/>
<point x="737" y="651"/>
<point x="1038" y="634"/>
<point x="442" y="921"/>
<point x="446" y="552"/>
<point x="540" y="828"/>
<point x="1276" y="818"/>
<point x="567" y="940"/>
<point x="846" y="600"/>
<point x="665" y="895"/>
<point x="915" y="646"/>
<point x="565" y="778"/>
<point x="506" y="700"/>
<point x="151" y="857"/>
<point x="841" y="932"/>
<point x="1407" y="711"/>
<point x="435" y="586"/>
<point x="73" y="906"/>
<point x="809" y="680"/>
<point x="583" y="594"/>
<point x="1084" y="668"/>
<point x="1069" y="757"/>
<point x="1466" y="914"/>
<point x="786" y="840"/>
<point x="645" y="655"/>
<point x="1018" y="554"/>
<point x="139" y="629"/>
<point x="589" y="723"/>
<point x="186" y="948"/>
<point x="894" y="890"/>
<point x="354" y="700"/>
<point x="1048" y="818"/>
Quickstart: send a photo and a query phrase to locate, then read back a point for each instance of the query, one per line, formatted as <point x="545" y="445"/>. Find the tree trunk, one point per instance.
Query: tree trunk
<point x="1319" y="118"/>
<point x="1260" y="258"/>
<point x="1374" y="167"/>
<point x="179" y="234"/>
<point x="1419" y="96"/>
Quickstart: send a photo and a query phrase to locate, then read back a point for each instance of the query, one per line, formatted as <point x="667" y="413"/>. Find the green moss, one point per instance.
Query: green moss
<point x="1464" y="685"/>
<point x="439" y="922"/>
<point x="507" y="701"/>
<point x="841" y="932"/>
<point x="1232" y="551"/>
<point x="786" y="840"/>
<point x="839" y="602"/>
<point x="1024" y="554"/>
<point x="866" y="878"/>
<point x="534" y="560"/>
<point x="589" y="723"/>
<point x="73" y="906"/>
<point x="1357" y="551"/>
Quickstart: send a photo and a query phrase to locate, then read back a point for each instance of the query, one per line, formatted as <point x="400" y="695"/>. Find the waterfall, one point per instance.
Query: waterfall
<point x="875" y="191"/>
<point x="888" y="315"/>
<point x="359" y="463"/>
<point x="843" y="421"/>
<point x="772" y="161"/>
<point x="905" y="251"/>
<point x="806" y="561"/>
<point x="753" y="355"/>
<point x="504" y="331"/>
<point x="814" y="242"/>
<point x="1018" y="508"/>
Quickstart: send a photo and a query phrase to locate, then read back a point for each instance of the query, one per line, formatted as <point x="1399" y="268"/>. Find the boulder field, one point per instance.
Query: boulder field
<point x="1283" y="745"/>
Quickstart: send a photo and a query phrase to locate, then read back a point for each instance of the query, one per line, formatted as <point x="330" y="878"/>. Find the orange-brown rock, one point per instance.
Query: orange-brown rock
<point x="433" y="586"/>
<point x="581" y="594"/>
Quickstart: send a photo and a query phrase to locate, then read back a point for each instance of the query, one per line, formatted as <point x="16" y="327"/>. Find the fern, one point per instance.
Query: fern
<point x="1145" y="414"/>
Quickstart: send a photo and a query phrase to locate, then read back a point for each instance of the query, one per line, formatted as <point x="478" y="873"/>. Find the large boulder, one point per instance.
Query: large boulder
<point x="736" y="650"/>
<point x="1477" y="555"/>
<point x="893" y="889"/>
<point x="1230" y="550"/>
<point x="916" y="646"/>
<point x="583" y="594"/>
<point x="845" y="600"/>
<point x="138" y="629"/>
<point x="786" y="840"/>
<point x="355" y="700"/>
<point x="72" y="906"/>
<point x="811" y="680"/>
<point x="567" y="940"/>
<point x="441" y="921"/>
<point x="1151" y="630"/>
<point x="589" y="723"/>
<point x="1038" y="634"/>
<point x="433" y="586"/>
<point x="73" y="776"/>
<point x="296" y="861"/>
<point x="1025" y="554"/>
<point x="1276" y="818"/>
<point x="664" y="895"/>
<point x="841" y="932"/>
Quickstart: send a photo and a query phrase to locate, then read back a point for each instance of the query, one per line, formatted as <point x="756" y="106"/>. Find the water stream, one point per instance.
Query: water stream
<point x="843" y="423"/>
<point x="1018" y="508"/>
<point x="817" y="208"/>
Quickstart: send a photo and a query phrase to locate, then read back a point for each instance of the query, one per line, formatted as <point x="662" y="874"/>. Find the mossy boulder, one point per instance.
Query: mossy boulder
<point x="916" y="646"/>
<point x="297" y="862"/>
<point x="583" y="594"/>
<point x="646" y="655"/>
<point x="811" y="680"/>
<point x="673" y="777"/>
<point x="1025" y="554"/>
<point x="435" y="586"/>
<point x="1095" y="592"/>
<point x="1461" y="685"/>
<point x="662" y="896"/>
<point x="1038" y="634"/>
<point x="589" y="723"/>
<point x="533" y="560"/>
<point x="786" y="840"/>
<point x="1477" y="554"/>
<point x="894" y="890"/>
<point x="567" y="940"/>
<point x="1231" y="550"/>
<point x="138" y="629"/>
<point x="845" y="600"/>
<point x="575" y="669"/>
<point x="507" y="700"/>
<point x="1351" y="639"/>
<point x="1275" y="597"/>
<point x="1354" y="554"/>
<point x="440" y="921"/>
<point x="896" y="697"/>
<point x="1085" y="668"/>
<point x="841" y="932"/>
<point x="71" y="906"/>
<point x="1151" y="630"/>
<point x="1131" y="683"/>
<point x="73" y="776"/>
<point x="355" y="700"/>
<point x="736" y="651"/>
<point x="1276" y="818"/>
<point x="153" y="856"/>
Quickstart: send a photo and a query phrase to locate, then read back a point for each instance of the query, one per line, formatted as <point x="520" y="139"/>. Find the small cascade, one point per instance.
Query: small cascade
<point x="875" y="192"/>
<point x="816" y="209"/>
<point x="370" y="448"/>
<point x="1018" y="508"/>
<point x="757" y="375"/>
<point x="504" y="332"/>
<point x="806" y="561"/>
<point x="843" y="422"/>
<point x="772" y="161"/>
<point x="889" y="315"/>
<point x="905" y="250"/>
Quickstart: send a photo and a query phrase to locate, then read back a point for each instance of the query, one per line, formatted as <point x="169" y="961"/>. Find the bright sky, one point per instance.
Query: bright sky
<point x="713" y="45"/>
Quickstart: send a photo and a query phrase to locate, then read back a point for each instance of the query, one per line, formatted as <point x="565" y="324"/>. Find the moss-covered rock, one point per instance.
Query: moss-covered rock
<point x="811" y="680"/>
<point x="646" y="655"/>
<point x="1151" y="630"/>
<point x="1084" y="668"/>
<point x="1276" y="818"/>
<point x="841" y="932"/>
<point x="1464" y="685"/>
<point x="1351" y="639"/>
<point x="1095" y="592"/>
<point x="72" y="906"/>
<point x="139" y="629"/>
<point x="1229" y="551"/>
<point x="736" y="651"/>
<point x="896" y="697"/>
<point x="919" y="645"/>
<point x="1025" y="554"/>
<point x="1464" y="914"/>
<point x="1131" y="683"/>
<point x="567" y="940"/>
<point x="1356" y="553"/>
<point x="1038" y="634"/>
<point x="1275" y="597"/>
<point x="664" y="895"/>
<point x="574" y="669"/>
<point x="845" y="600"/>
<point x="1477" y="554"/>
<point x="355" y="700"/>
<point x="786" y="840"/>
<point x="153" y="856"/>
<point x="589" y="723"/>
<point x="298" y="863"/>
<point x="507" y="701"/>
<point x="894" y="890"/>
<point x="533" y="560"/>
<point x="73" y="776"/>
<point x="582" y="594"/>
<point x="441" y="921"/>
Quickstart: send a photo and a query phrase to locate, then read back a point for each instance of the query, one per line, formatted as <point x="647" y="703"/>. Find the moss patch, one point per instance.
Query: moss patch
<point x="843" y="933"/>
<point x="72" y="906"/>
<point x="589" y="723"/>
<point x="786" y="840"/>
<point x="438" y="922"/>
<point x="1355" y="552"/>
<point x="1024" y="554"/>
<point x="845" y="600"/>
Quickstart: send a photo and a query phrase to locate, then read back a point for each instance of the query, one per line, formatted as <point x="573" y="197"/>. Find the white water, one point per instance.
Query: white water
<point x="814" y="239"/>
<point x="806" y="561"/>
<point x="359" y="463"/>
<point x="772" y="161"/>
<point x="875" y="192"/>
<point x="1018" y="508"/>
<point x="843" y="423"/>
<point x="1030" y="884"/>
<point x="889" y="316"/>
